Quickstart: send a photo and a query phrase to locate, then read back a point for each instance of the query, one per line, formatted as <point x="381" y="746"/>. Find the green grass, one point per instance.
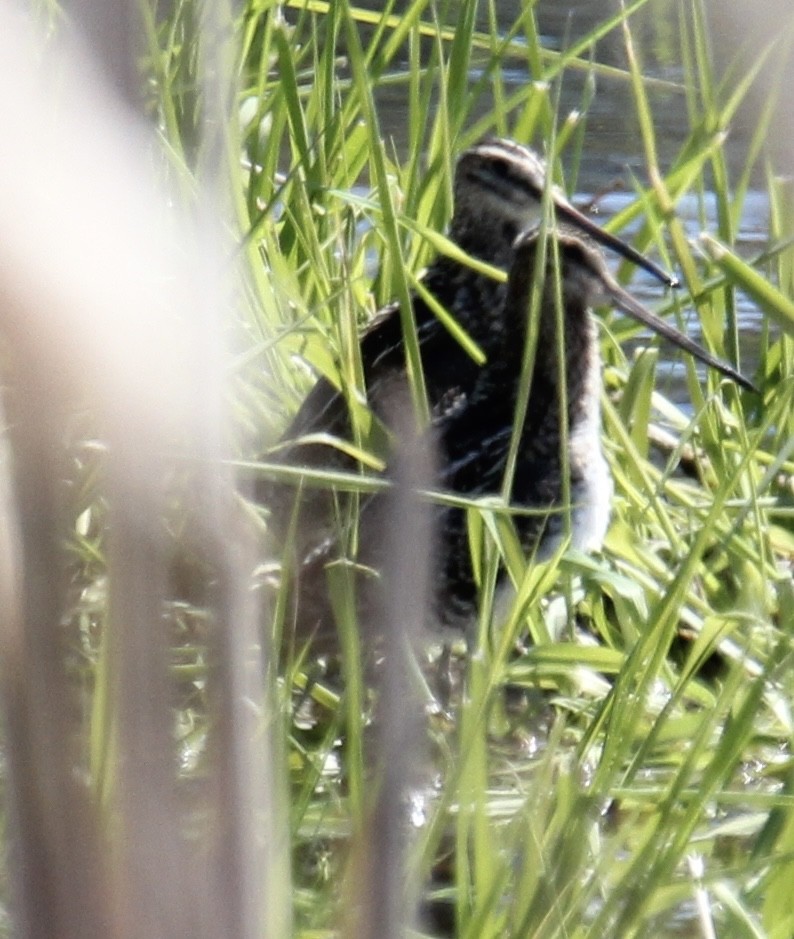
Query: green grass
<point x="638" y="775"/>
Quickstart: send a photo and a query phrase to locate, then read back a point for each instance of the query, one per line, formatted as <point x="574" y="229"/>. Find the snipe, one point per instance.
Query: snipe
<point x="498" y="191"/>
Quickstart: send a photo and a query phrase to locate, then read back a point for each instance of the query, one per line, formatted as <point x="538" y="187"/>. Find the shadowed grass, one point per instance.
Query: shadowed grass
<point x="643" y="730"/>
<point x="658" y="742"/>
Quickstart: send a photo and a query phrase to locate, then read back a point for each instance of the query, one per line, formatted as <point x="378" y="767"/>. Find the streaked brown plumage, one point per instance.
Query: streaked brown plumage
<point x="498" y="191"/>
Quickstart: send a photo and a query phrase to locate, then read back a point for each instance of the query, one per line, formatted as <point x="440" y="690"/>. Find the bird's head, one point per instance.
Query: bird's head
<point x="499" y="187"/>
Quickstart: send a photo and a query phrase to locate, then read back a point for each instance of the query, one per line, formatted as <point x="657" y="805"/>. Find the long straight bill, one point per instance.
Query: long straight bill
<point x="573" y="216"/>
<point x="624" y="301"/>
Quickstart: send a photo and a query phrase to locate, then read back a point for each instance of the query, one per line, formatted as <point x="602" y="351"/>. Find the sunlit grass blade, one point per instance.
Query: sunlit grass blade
<point x="755" y="285"/>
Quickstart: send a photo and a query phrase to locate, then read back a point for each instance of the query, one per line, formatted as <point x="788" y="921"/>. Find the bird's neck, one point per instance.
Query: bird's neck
<point x="487" y="240"/>
<point x="566" y="360"/>
<point x="475" y="300"/>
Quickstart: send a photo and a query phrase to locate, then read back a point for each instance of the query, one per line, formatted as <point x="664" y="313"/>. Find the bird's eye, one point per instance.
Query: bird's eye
<point x="509" y="231"/>
<point x="500" y="167"/>
<point x="576" y="254"/>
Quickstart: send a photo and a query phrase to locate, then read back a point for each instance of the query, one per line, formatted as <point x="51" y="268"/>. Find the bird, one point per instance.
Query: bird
<point x="497" y="218"/>
<point x="560" y="470"/>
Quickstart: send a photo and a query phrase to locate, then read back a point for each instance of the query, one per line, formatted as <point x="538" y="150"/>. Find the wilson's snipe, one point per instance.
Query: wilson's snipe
<point x="498" y="190"/>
